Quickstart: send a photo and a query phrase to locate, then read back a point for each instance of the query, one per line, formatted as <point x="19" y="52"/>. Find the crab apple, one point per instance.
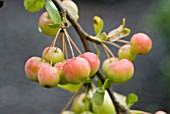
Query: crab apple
<point x="76" y="70"/>
<point x="125" y="53"/>
<point x="43" y="24"/>
<point x="55" y="52"/>
<point x="140" y="43"/>
<point x="59" y="65"/>
<point x="48" y="76"/>
<point x="86" y="112"/>
<point x="71" y="7"/>
<point x="121" y="71"/>
<point x="106" y="63"/>
<point x="67" y="112"/>
<point x="81" y="103"/>
<point x="93" y="60"/>
<point x="32" y="67"/>
<point x="160" y="112"/>
<point x="106" y="108"/>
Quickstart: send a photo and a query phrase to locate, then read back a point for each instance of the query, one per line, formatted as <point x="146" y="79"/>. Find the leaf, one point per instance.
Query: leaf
<point x="70" y="87"/>
<point x="119" y="32"/>
<point x="106" y="84"/>
<point x="53" y="11"/>
<point x="99" y="82"/>
<point x="98" y="25"/>
<point x="98" y="96"/>
<point x="54" y="25"/>
<point x="131" y="99"/>
<point x="88" y="80"/>
<point x="103" y="36"/>
<point x="33" y="5"/>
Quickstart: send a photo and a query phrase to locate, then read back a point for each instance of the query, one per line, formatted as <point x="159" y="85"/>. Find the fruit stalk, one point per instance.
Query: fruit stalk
<point x="84" y="37"/>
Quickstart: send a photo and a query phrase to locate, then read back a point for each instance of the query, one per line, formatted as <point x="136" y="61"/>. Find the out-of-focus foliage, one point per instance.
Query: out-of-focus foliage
<point x="161" y="18"/>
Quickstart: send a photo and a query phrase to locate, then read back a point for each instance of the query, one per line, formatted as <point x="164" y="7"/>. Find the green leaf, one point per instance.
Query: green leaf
<point x="54" y="25"/>
<point x="118" y="33"/>
<point x="99" y="82"/>
<point x="88" y="80"/>
<point x="53" y="11"/>
<point x="106" y="84"/>
<point x="131" y="99"/>
<point x="98" y="25"/>
<point x="70" y="87"/>
<point x="103" y="36"/>
<point x="33" y="5"/>
<point x="98" y="96"/>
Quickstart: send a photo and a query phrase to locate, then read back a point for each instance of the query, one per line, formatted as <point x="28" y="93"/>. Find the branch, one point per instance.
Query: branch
<point x="84" y="37"/>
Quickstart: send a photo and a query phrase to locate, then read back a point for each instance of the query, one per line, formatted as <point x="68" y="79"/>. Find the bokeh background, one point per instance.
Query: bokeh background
<point x="20" y="39"/>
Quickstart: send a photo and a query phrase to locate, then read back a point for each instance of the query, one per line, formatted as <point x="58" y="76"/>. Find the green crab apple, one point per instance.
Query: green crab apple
<point x="125" y="53"/>
<point x="68" y="112"/>
<point x="106" y="64"/>
<point x="32" y="67"/>
<point x="43" y="24"/>
<point x="106" y="108"/>
<point x="76" y="70"/>
<point x="71" y="7"/>
<point x="48" y="76"/>
<point x="121" y="71"/>
<point x="93" y="60"/>
<point x="140" y="43"/>
<point x="86" y="112"/>
<point x="55" y="52"/>
<point x="81" y="103"/>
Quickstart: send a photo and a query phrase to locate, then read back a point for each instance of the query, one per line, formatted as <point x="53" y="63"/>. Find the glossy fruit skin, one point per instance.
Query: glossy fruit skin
<point x="121" y="71"/>
<point x="125" y="53"/>
<point x="43" y="24"/>
<point x="71" y="7"/>
<point x="57" y="55"/>
<point x="33" y="66"/>
<point x="93" y="60"/>
<point x="106" y="108"/>
<point x="140" y="43"/>
<point x="81" y="103"/>
<point x="106" y="64"/>
<point x="76" y="70"/>
<point x="48" y="76"/>
<point x="59" y="65"/>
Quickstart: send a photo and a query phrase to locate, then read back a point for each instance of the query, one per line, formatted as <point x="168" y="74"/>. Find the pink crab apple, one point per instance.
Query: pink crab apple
<point x="121" y="71"/>
<point x="32" y="67"/>
<point x="125" y="53"/>
<point x="76" y="70"/>
<point x="106" y="64"/>
<point x="93" y="60"/>
<point x="81" y="103"/>
<point x="48" y="76"/>
<point x="55" y="52"/>
<point x="43" y="24"/>
<point x="140" y="43"/>
<point x="59" y="65"/>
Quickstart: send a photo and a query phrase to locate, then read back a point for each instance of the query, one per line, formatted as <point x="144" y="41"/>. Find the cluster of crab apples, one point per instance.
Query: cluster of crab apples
<point x="120" y="70"/>
<point x="52" y="69"/>
<point x="71" y="71"/>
